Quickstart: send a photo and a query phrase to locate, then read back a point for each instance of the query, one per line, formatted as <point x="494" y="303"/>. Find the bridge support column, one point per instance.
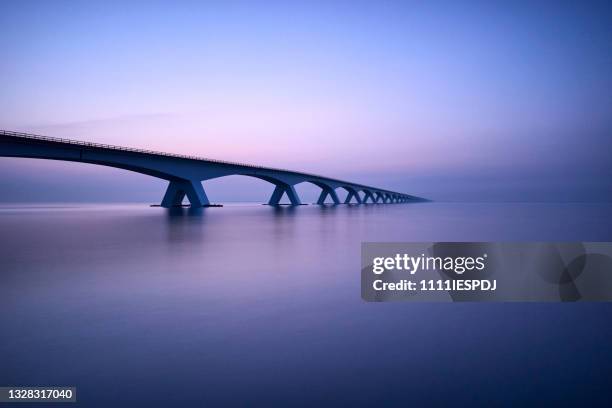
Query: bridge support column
<point x="379" y="196"/>
<point x="178" y="189"/>
<point x="368" y="194"/>
<point x="325" y="192"/>
<point x="281" y="189"/>
<point x="352" y="193"/>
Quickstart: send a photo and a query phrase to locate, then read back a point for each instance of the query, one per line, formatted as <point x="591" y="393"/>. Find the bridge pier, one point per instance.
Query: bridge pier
<point x="325" y="191"/>
<point x="178" y="189"/>
<point x="281" y="189"/>
<point x="352" y="193"/>
<point x="368" y="194"/>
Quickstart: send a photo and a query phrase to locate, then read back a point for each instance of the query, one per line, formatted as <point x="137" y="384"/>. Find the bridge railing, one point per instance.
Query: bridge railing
<point x="32" y="136"/>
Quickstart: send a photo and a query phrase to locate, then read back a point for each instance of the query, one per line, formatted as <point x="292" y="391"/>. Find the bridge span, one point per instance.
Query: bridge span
<point x="186" y="173"/>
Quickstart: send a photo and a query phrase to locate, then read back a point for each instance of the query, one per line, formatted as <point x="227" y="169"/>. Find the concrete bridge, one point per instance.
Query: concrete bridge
<point x="185" y="173"/>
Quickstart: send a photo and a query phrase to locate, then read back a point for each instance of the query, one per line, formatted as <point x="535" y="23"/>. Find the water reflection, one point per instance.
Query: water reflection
<point x="185" y="224"/>
<point x="266" y="300"/>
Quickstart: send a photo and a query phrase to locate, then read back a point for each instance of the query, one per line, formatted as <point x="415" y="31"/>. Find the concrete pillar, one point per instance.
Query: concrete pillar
<point x="379" y="197"/>
<point x="325" y="192"/>
<point x="368" y="194"/>
<point x="281" y="189"/>
<point x="351" y="193"/>
<point x="178" y="189"/>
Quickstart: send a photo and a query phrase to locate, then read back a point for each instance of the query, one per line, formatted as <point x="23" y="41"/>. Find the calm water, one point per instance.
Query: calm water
<point x="256" y="306"/>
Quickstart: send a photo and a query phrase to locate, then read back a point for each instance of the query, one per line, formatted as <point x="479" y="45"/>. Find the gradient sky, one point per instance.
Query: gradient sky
<point x="472" y="101"/>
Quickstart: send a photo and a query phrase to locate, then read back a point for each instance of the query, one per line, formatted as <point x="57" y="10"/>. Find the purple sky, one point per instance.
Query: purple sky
<point x="452" y="102"/>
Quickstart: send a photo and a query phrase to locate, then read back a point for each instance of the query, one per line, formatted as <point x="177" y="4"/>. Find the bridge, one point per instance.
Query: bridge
<point x="186" y="173"/>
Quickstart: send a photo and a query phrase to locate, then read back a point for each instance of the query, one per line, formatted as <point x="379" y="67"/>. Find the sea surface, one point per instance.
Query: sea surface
<point x="251" y="305"/>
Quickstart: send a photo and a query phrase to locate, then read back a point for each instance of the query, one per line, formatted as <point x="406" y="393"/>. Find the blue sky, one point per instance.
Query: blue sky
<point x="448" y="100"/>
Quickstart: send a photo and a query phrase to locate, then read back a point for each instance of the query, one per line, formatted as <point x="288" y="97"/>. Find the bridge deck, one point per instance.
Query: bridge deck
<point x="30" y="136"/>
